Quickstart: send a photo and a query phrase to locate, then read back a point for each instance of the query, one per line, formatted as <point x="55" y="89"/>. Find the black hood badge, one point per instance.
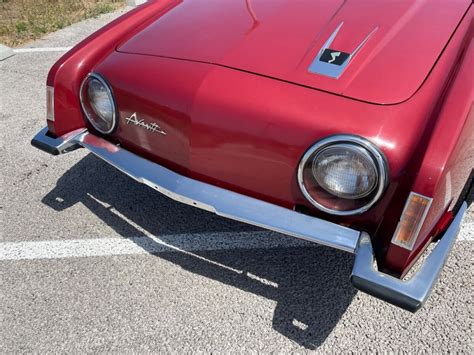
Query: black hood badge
<point x="334" y="57"/>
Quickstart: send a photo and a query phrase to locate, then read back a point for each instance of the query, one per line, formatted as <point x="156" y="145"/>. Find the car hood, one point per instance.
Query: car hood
<point x="395" y="43"/>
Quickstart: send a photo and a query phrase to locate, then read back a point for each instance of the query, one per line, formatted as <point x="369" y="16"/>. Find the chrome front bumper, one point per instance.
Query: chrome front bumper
<point x="412" y="293"/>
<point x="406" y="294"/>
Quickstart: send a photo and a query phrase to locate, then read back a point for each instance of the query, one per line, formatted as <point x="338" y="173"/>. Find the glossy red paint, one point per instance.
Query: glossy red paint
<point x="67" y="74"/>
<point x="449" y="159"/>
<point x="409" y="36"/>
<point x="247" y="132"/>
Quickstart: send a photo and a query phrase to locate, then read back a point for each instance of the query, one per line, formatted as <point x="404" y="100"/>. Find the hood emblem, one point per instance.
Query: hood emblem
<point x="332" y="63"/>
<point x="152" y="127"/>
<point x="334" y="57"/>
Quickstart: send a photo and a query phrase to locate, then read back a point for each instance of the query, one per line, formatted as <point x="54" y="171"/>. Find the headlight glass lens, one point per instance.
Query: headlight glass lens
<point x="98" y="103"/>
<point x="343" y="175"/>
<point x="345" y="171"/>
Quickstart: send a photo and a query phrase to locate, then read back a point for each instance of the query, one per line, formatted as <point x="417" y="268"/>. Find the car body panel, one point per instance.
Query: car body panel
<point x="448" y="161"/>
<point x="281" y="38"/>
<point x="67" y="73"/>
<point x="246" y="132"/>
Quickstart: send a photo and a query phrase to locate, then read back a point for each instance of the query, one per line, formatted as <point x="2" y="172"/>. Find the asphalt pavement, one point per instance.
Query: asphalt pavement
<point x="91" y="261"/>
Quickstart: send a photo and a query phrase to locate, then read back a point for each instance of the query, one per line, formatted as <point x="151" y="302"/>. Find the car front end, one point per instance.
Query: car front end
<point x="337" y="157"/>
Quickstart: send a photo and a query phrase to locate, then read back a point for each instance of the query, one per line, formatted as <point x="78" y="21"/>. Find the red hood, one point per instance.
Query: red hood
<point x="281" y="38"/>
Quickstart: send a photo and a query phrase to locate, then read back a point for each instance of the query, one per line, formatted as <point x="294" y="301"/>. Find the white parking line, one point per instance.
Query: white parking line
<point x="149" y="243"/>
<point x="56" y="249"/>
<point x="187" y="243"/>
<point x="48" y="49"/>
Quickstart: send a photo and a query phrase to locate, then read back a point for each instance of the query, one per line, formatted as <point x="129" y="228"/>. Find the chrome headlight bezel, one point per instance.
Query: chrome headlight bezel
<point x="360" y="144"/>
<point x="86" y="104"/>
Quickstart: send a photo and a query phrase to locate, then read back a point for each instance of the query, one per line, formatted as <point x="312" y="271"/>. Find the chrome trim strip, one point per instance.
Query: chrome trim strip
<point x="410" y="294"/>
<point x="214" y="199"/>
<point x="332" y="70"/>
<point x="359" y="47"/>
<point x="379" y="160"/>
<point x="418" y="227"/>
<point x="330" y="39"/>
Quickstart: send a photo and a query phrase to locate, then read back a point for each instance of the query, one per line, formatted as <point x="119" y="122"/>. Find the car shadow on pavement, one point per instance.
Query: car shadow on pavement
<point x="310" y="284"/>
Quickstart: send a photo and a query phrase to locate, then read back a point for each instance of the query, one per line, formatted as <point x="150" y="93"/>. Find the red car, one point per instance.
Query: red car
<point x="345" y="123"/>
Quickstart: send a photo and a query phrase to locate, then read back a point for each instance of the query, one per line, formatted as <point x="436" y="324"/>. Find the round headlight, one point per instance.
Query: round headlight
<point x="98" y="103"/>
<point x="343" y="175"/>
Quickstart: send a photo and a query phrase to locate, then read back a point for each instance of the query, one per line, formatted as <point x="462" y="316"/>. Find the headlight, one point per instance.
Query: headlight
<point x="343" y="175"/>
<point x="98" y="103"/>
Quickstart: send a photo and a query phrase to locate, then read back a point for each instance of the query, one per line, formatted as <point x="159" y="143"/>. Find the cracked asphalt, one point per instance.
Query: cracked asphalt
<point x="99" y="263"/>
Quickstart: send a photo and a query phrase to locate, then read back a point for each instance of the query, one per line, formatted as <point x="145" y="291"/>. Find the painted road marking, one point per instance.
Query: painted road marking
<point x="36" y="50"/>
<point x="149" y="243"/>
<point x="57" y="249"/>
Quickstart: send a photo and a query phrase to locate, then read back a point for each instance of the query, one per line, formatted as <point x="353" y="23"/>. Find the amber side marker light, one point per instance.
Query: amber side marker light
<point x="411" y="221"/>
<point x="50" y="103"/>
